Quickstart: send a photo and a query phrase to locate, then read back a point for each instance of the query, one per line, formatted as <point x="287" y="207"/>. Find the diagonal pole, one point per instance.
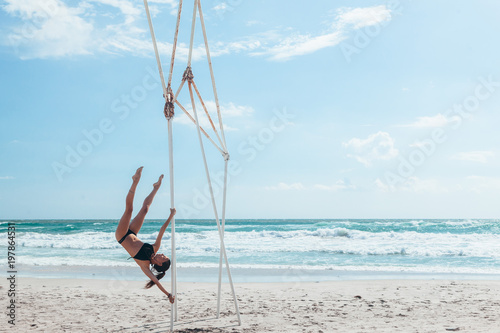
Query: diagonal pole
<point x="221" y="236"/>
<point x="202" y="21"/>
<point x="193" y="25"/>
<point x="226" y="156"/>
<point x="178" y="91"/>
<point x="203" y="131"/>
<point x="226" y="160"/>
<point x="174" y="46"/>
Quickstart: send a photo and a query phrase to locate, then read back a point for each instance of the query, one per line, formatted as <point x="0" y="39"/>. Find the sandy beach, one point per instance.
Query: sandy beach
<point x="65" y="305"/>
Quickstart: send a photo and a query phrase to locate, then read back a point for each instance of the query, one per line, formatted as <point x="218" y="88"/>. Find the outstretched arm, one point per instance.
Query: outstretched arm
<point x="157" y="244"/>
<point x="153" y="278"/>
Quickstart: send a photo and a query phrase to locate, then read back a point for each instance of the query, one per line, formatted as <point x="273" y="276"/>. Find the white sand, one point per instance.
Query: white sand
<point x="61" y="305"/>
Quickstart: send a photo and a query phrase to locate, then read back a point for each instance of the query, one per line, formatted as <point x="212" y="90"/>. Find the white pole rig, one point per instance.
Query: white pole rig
<point x="170" y="101"/>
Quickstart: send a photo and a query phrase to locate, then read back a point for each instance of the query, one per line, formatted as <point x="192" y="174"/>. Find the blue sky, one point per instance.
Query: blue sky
<point x="332" y="109"/>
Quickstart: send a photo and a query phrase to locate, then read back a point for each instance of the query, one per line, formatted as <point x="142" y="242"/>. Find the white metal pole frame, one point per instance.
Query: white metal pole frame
<point x="171" y="100"/>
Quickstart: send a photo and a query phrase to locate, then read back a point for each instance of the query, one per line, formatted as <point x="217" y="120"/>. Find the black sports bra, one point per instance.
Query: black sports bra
<point x="145" y="253"/>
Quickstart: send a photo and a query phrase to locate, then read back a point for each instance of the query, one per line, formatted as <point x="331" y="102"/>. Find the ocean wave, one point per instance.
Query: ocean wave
<point x="352" y="268"/>
<point x="322" y="233"/>
<point x="324" y="240"/>
<point x="418" y="245"/>
<point x="287" y="270"/>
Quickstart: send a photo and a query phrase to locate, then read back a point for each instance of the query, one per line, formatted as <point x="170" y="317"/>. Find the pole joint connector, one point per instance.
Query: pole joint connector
<point x="168" y="110"/>
<point x="188" y="75"/>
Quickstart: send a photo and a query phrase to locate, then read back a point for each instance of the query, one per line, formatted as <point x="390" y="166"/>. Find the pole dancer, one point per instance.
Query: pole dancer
<point x="144" y="254"/>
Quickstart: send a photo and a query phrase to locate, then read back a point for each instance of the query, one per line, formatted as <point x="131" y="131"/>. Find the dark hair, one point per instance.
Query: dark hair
<point x="161" y="272"/>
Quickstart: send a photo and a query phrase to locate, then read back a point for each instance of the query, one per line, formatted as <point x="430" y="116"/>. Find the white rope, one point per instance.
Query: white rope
<point x="212" y="75"/>
<point x="221" y="236"/>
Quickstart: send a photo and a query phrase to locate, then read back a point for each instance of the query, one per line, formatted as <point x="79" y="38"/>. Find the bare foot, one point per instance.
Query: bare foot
<point x="137" y="175"/>
<point x="158" y="183"/>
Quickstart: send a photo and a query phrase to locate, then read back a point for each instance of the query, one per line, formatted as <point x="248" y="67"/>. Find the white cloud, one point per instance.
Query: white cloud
<point x="438" y="120"/>
<point x="172" y="3"/>
<point x="378" y="146"/>
<point x="298" y="45"/>
<point x="53" y="28"/>
<point x="474" y="156"/>
<point x="6" y="177"/>
<point x="285" y="187"/>
<point x="338" y="186"/>
<point x="50" y="29"/>
<point x="381" y="185"/>
<point x="412" y="184"/>
<point x="363" y="17"/>
<point x="231" y="110"/>
<point x="479" y="184"/>
<point x="228" y="110"/>
<point x="253" y="22"/>
<point x="126" y="7"/>
<point x="347" y="19"/>
<point x="476" y="184"/>
<point x="222" y="6"/>
<point x="415" y="184"/>
<point x="419" y="144"/>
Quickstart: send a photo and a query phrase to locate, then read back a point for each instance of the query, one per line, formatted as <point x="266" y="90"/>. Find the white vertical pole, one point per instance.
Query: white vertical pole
<point x="173" y="312"/>
<point x="221" y="236"/>
<point x="173" y="271"/>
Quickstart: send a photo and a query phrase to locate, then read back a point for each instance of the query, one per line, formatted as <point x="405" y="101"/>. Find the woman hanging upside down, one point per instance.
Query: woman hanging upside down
<point x="144" y="254"/>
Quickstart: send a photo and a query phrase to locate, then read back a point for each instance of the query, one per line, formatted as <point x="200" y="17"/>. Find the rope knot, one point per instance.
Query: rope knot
<point x="226" y="156"/>
<point x="188" y="75"/>
<point x="168" y="110"/>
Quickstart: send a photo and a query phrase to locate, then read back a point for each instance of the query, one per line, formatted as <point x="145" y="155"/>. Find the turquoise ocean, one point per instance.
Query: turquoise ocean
<point x="316" y="248"/>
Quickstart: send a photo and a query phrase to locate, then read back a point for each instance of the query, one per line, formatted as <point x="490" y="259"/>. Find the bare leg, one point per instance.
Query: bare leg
<point x="137" y="222"/>
<point x="123" y="226"/>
